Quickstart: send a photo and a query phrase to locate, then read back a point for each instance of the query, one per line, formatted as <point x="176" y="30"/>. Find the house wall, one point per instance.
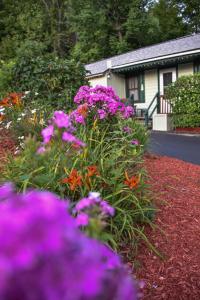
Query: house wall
<point x="118" y="84"/>
<point x="185" y="69"/>
<point x="101" y="80"/>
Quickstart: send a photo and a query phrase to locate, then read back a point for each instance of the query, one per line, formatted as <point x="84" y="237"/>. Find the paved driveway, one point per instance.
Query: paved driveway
<point x="185" y="147"/>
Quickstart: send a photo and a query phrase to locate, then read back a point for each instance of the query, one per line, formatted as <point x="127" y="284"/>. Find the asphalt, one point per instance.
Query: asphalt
<point x="184" y="147"/>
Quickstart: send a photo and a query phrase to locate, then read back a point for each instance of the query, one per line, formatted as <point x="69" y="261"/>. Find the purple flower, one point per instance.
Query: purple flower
<point x="128" y="112"/>
<point x="84" y="203"/>
<point x="107" y="209"/>
<point x="127" y="129"/>
<point x="61" y="119"/>
<point x="47" y="133"/>
<point x="41" y="150"/>
<point x="70" y="138"/>
<point x="135" y="142"/>
<point x="82" y="219"/>
<point x="102" y="114"/>
<point x="43" y="255"/>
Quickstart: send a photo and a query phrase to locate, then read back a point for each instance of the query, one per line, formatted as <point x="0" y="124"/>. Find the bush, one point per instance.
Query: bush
<point x="184" y="95"/>
<point x="5" y="77"/>
<point x="49" y="79"/>
<point x="104" y="156"/>
<point x="44" y="256"/>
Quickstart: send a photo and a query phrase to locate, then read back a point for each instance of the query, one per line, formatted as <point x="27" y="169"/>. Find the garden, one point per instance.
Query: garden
<point x="73" y="185"/>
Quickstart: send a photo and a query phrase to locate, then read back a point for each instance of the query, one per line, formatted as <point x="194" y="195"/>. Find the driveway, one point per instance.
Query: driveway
<point x="185" y="147"/>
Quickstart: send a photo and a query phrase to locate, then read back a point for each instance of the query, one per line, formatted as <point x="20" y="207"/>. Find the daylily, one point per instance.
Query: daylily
<point x="74" y="180"/>
<point x="131" y="182"/>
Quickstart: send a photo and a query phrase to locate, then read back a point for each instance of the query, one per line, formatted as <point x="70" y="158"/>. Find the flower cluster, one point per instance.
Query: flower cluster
<point x="13" y="99"/>
<point x="43" y="255"/>
<point x="62" y="122"/>
<point x="91" y="206"/>
<point x="75" y="179"/>
<point x="103" y="101"/>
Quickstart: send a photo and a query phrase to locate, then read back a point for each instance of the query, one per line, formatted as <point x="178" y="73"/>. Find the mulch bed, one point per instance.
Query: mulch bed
<point x="176" y="187"/>
<point x="195" y="130"/>
<point x="7" y="145"/>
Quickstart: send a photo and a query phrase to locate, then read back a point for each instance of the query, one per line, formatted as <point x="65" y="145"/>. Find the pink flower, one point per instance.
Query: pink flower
<point x="61" y="119"/>
<point x="41" y="150"/>
<point x="135" y="142"/>
<point x="70" y="138"/>
<point x="47" y="133"/>
<point x="102" y="114"/>
<point x="82" y="219"/>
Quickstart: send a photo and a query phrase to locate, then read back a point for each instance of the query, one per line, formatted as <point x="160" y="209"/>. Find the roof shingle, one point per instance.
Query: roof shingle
<point x="179" y="45"/>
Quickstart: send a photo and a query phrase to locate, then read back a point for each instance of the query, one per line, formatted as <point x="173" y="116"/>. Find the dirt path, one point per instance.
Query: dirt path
<point x="177" y="277"/>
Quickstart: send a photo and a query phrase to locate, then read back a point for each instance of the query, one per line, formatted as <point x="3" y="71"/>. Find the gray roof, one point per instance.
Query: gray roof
<point x="179" y="45"/>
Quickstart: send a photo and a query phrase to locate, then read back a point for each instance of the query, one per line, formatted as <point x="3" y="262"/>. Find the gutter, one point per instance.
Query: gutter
<point x="157" y="58"/>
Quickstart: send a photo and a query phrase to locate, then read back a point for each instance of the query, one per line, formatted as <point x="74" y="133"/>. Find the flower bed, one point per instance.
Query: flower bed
<point x="195" y="130"/>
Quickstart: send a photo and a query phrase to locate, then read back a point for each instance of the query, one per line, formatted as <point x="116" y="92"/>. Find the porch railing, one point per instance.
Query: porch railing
<point x="159" y="103"/>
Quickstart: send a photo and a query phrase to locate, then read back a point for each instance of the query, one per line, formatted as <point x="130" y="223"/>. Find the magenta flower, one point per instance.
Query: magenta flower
<point x="107" y="209"/>
<point x="127" y="129"/>
<point x="47" y="133"/>
<point x="61" y="119"/>
<point x="128" y="112"/>
<point x="41" y="150"/>
<point x="82" y="219"/>
<point x="102" y="114"/>
<point x="135" y="142"/>
<point x="70" y="138"/>
<point x="43" y="255"/>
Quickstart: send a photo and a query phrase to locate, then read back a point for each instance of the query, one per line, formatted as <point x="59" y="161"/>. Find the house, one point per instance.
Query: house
<point x="142" y="75"/>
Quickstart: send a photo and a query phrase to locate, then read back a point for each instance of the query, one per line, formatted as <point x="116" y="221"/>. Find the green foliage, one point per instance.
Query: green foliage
<point x="184" y="95"/>
<point x="5" y="77"/>
<point x="88" y="30"/>
<point x="49" y="79"/>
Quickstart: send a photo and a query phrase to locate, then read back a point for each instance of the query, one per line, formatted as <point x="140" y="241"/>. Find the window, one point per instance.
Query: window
<point x="135" y="88"/>
<point x="167" y="80"/>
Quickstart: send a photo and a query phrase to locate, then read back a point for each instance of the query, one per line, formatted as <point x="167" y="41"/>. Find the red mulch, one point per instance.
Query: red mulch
<point x="188" y="130"/>
<point x="177" y="186"/>
<point x="7" y="145"/>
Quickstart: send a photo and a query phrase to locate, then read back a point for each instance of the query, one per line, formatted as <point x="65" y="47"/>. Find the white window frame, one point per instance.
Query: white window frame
<point x="163" y="71"/>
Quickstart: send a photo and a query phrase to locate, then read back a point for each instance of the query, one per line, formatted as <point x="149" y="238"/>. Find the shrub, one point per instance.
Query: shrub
<point x="49" y="79"/>
<point x="184" y="95"/>
<point x="44" y="256"/>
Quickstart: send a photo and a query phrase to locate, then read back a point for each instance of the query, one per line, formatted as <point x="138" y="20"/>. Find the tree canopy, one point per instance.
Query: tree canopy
<point x="88" y="30"/>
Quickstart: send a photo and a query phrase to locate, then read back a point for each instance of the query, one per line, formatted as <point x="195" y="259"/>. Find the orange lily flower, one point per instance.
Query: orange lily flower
<point x="92" y="170"/>
<point x="74" y="180"/>
<point x="5" y="102"/>
<point x="83" y="109"/>
<point x="132" y="182"/>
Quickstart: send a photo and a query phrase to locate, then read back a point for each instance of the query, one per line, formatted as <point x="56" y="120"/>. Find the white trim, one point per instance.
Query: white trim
<point x="95" y="75"/>
<point x="162" y="71"/>
<point x="157" y="58"/>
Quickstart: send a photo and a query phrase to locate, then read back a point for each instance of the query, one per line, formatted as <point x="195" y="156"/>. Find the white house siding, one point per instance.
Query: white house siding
<point x="151" y="87"/>
<point x="118" y="84"/>
<point x="101" y="80"/>
<point x="185" y="69"/>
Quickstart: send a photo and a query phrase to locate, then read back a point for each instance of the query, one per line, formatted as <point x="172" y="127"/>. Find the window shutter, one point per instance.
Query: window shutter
<point x="141" y="87"/>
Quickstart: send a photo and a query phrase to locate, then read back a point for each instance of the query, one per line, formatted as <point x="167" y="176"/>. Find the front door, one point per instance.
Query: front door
<point x="167" y="76"/>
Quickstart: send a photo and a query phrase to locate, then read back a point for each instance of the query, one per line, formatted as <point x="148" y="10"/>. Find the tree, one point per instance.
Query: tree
<point x="169" y="22"/>
<point x="190" y="13"/>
